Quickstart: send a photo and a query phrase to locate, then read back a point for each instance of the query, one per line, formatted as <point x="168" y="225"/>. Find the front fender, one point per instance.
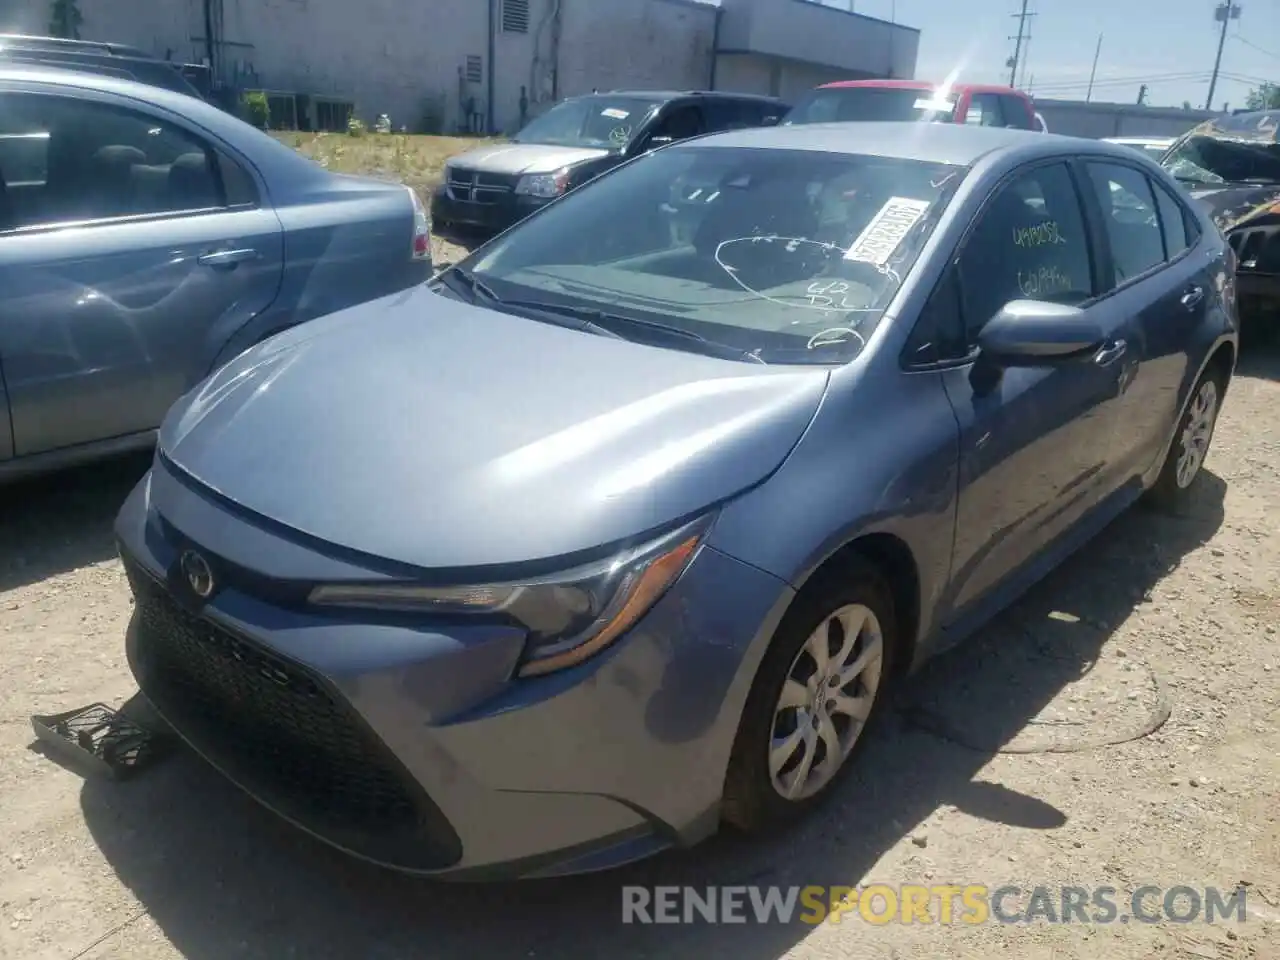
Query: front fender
<point x="858" y="471"/>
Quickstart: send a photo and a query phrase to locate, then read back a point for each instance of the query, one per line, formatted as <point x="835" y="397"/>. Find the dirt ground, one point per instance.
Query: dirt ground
<point x="968" y="783"/>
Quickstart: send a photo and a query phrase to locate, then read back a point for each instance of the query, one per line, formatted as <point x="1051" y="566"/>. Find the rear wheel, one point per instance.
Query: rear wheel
<point x="1182" y="465"/>
<point x="817" y="693"/>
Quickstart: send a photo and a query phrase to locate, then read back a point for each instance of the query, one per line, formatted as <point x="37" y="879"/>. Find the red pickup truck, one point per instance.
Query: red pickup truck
<point x="918" y="100"/>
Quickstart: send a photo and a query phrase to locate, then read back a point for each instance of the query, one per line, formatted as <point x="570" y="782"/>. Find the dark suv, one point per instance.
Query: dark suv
<point x="109" y="59"/>
<point x="492" y="187"/>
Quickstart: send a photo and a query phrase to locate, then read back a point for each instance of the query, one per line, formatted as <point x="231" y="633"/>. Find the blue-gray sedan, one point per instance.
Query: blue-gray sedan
<point x="625" y="530"/>
<point x="146" y="237"/>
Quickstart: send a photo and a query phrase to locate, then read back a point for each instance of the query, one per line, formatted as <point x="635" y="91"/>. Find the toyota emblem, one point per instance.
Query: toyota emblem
<point x="199" y="576"/>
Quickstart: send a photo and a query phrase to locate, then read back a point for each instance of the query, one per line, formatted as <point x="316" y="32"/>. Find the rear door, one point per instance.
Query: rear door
<point x="1161" y="279"/>
<point x="134" y="246"/>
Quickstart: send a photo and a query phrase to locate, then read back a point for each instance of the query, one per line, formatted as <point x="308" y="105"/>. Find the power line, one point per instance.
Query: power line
<point x="1248" y="43"/>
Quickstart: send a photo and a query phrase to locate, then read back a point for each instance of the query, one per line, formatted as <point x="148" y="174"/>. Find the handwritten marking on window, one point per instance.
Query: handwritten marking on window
<point x="1041" y="235"/>
<point x="1043" y="282"/>
<point x="887" y="229"/>
<point x="821" y="293"/>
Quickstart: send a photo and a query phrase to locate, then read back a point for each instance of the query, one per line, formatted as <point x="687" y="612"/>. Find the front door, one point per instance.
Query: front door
<point x="132" y="250"/>
<point x="1034" y="442"/>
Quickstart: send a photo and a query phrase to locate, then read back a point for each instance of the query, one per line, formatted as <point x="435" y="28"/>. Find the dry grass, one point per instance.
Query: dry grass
<point x="409" y="158"/>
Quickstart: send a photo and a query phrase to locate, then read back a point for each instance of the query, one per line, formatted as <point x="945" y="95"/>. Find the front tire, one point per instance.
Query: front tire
<point x="1173" y="490"/>
<point x="818" y="691"/>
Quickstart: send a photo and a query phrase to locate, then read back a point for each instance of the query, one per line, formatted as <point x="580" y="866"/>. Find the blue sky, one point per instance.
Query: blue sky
<point x="1167" y="44"/>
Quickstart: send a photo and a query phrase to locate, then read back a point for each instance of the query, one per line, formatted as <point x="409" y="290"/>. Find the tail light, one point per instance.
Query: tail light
<point x="421" y="249"/>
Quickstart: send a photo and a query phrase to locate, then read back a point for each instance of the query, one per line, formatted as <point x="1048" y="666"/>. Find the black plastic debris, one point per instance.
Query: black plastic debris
<point x="99" y="740"/>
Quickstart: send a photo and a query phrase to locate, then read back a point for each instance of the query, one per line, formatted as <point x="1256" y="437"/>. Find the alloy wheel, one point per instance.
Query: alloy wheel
<point x="1196" y="433"/>
<point x="825" y="701"/>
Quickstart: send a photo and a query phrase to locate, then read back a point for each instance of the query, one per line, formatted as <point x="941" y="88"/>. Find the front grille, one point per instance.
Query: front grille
<point x="281" y="733"/>
<point x="475" y="186"/>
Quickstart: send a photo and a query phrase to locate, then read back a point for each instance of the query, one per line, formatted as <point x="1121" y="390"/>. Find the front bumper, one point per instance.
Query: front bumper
<point x="411" y="746"/>
<point x="502" y="211"/>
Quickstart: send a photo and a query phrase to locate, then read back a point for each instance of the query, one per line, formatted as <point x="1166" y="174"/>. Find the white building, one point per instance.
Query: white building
<point x="422" y="60"/>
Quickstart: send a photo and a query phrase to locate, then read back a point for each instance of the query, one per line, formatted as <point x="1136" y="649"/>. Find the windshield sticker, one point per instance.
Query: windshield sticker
<point x="613" y="113"/>
<point x="886" y="231"/>
<point x="1041" y="235"/>
<point x="926" y="103"/>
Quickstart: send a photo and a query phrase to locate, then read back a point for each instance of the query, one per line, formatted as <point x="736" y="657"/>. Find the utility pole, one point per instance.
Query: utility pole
<point x="1013" y="61"/>
<point x="1094" y="71"/>
<point x="1225" y="13"/>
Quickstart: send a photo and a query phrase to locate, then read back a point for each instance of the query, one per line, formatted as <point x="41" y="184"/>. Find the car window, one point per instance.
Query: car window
<point x="1173" y="222"/>
<point x="1028" y="243"/>
<point x="985" y="111"/>
<point x="790" y="255"/>
<point x="680" y="123"/>
<point x="843" y="104"/>
<point x="1015" y="112"/>
<point x="1129" y="215"/>
<point x="729" y="114"/>
<point x="83" y="160"/>
<point x="594" y="121"/>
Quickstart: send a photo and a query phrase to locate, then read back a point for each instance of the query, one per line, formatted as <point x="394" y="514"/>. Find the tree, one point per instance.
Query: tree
<point x="65" y="19"/>
<point x="1265" y="97"/>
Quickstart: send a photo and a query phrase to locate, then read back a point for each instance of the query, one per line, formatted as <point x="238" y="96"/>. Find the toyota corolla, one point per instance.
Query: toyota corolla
<point x="623" y="530"/>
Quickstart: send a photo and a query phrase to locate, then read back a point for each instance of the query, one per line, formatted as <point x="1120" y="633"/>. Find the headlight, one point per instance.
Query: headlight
<point x="570" y="616"/>
<point x="545" y="185"/>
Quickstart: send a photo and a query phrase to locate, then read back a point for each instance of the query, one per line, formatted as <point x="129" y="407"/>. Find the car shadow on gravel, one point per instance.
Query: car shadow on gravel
<point x="52" y="524"/>
<point x="222" y="878"/>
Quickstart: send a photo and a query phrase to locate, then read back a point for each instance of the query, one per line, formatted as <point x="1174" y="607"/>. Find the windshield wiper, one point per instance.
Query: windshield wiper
<point x="595" y="320"/>
<point x="476" y="288"/>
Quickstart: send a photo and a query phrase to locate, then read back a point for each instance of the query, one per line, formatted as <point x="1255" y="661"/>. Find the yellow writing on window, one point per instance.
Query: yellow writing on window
<point x="1041" y="235"/>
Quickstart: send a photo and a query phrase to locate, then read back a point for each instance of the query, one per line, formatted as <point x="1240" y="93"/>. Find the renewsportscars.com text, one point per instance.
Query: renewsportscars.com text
<point x="881" y="904"/>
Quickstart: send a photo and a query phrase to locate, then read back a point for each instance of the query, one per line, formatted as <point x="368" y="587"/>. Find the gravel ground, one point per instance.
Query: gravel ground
<point x="1018" y="759"/>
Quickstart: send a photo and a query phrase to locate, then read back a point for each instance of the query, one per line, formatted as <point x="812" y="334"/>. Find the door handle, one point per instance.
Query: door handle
<point x="1192" y="297"/>
<point x="1110" y="353"/>
<point x="227" y="258"/>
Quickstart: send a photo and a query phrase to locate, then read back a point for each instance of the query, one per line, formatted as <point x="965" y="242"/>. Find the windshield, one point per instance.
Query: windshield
<point x="608" y="122"/>
<point x="1209" y="160"/>
<point x="787" y="256"/>
<point x="841" y="104"/>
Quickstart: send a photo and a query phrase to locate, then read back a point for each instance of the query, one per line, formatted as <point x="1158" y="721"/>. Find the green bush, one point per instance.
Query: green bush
<point x="257" y="110"/>
<point x="355" y="127"/>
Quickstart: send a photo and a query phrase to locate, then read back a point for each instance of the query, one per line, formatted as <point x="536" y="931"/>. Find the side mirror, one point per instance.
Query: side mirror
<point x="1036" y="333"/>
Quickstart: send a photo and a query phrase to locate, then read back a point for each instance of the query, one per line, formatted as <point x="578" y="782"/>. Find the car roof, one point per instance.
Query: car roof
<point x="1139" y="139"/>
<point x="952" y="143"/>
<point x="69" y="76"/>
<point x="665" y="95"/>
<point x="923" y="85"/>
<point x="101" y="48"/>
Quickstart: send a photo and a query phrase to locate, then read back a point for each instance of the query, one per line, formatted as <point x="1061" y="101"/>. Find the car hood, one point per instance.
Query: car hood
<point x="516" y="158"/>
<point x="1235" y="205"/>
<point x="440" y="434"/>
